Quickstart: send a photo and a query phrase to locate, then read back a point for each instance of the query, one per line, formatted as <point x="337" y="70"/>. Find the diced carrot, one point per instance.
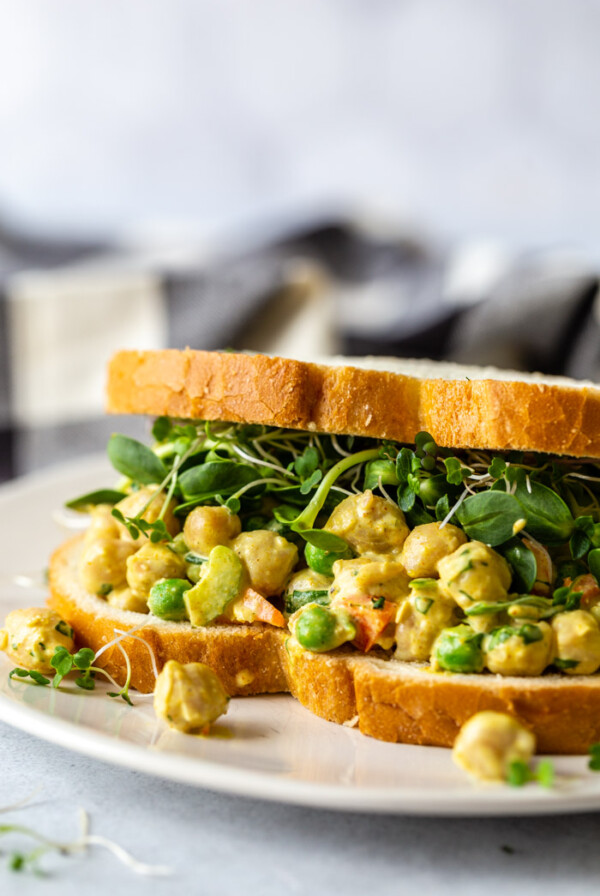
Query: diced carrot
<point x="262" y="609"/>
<point x="589" y="586"/>
<point x="370" y="618"/>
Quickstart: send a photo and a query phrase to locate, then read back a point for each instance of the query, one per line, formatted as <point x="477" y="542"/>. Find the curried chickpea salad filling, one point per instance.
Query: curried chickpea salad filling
<point x="470" y="561"/>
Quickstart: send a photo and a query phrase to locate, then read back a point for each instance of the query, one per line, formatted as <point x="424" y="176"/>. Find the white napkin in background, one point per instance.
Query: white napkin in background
<point x="327" y="289"/>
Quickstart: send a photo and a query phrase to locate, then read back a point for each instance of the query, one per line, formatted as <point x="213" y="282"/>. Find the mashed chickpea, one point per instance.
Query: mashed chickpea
<point x="207" y="527"/>
<point x="488" y="742"/>
<point x="268" y="559"/>
<point x="370" y="525"/>
<point x="31" y="636"/>
<point x="189" y="697"/>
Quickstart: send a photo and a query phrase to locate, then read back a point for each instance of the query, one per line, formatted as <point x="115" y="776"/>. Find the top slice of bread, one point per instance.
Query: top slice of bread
<point x="387" y="398"/>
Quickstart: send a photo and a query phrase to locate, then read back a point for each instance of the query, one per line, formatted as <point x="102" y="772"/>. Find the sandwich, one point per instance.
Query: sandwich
<point x="397" y="544"/>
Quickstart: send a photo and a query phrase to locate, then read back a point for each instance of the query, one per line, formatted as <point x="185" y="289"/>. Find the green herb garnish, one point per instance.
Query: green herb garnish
<point x="594" y="762"/>
<point x="519" y="773"/>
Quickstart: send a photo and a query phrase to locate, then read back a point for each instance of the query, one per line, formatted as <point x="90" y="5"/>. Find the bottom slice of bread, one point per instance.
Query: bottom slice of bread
<point x="389" y="700"/>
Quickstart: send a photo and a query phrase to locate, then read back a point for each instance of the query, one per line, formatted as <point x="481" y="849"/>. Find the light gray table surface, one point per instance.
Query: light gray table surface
<point x="224" y="845"/>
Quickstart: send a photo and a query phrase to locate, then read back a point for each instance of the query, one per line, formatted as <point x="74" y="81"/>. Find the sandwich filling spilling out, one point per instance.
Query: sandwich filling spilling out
<point x="469" y="561"/>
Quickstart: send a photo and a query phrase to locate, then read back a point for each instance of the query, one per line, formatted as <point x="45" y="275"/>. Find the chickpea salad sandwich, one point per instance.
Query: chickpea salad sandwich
<point x="399" y="546"/>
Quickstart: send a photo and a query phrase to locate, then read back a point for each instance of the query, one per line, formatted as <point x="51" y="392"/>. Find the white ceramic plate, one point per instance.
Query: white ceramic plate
<point x="268" y="747"/>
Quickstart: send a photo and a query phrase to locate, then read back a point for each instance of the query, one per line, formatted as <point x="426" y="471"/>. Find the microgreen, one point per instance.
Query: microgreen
<point x="81" y="661"/>
<point x="253" y="470"/>
<point x="306" y="520"/>
<point x="297" y="599"/>
<point x="307" y="463"/>
<point x="36" y="677"/>
<point x="519" y="773"/>
<point x="497" y="468"/>
<point x="594" y="762"/>
<point x="566" y="598"/>
<point x="20" y="861"/>
<point x="548" y="517"/>
<point x="454" y="470"/>
<point x="90" y="499"/>
<point x="490" y="516"/>
<point x="594" y="563"/>
<point x="482" y="608"/>
<point x="219" y="477"/>
<point x="380" y="472"/>
<point x="161" y="428"/>
<point x="325" y="541"/>
<point x="135" y="460"/>
<point x="523" y="564"/>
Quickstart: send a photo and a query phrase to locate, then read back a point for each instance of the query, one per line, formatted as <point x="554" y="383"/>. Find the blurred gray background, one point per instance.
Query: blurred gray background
<point x="196" y="116"/>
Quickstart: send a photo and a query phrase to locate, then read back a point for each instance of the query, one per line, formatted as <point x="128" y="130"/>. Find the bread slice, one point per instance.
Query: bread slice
<point x="462" y="407"/>
<point x="388" y="700"/>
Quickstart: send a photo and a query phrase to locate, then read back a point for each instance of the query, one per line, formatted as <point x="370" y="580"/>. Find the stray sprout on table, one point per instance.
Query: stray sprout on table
<point x="29" y="860"/>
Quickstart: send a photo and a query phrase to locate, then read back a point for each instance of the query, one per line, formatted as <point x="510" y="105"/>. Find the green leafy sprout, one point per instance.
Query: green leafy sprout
<point x="20" y="860"/>
<point x="493" y="498"/>
<point x="520" y="773"/>
<point x="289" y="481"/>
<point x="594" y="760"/>
<point x="80" y="662"/>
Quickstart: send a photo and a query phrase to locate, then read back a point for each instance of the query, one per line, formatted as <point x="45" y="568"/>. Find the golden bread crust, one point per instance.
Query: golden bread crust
<point x="390" y="700"/>
<point x="459" y="413"/>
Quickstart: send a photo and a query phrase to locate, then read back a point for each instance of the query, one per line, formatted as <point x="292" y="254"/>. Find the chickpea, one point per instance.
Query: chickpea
<point x="102" y="565"/>
<point x="102" y="524"/>
<point x="151" y="563"/>
<point x="31" y="636"/>
<point x="473" y="573"/>
<point x="577" y="637"/>
<point x="126" y="599"/>
<point x="488" y="742"/>
<point x="374" y="576"/>
<point x="421" y="618"/>
<point x="268" y="559"/>
<point x="189" y="697"/>
<point x="370" y="524"/>
<point x="133" y="504"/>
<point x="206" y="527"/>
<point x="525" y="650"/>
<point x="426" y="545"/>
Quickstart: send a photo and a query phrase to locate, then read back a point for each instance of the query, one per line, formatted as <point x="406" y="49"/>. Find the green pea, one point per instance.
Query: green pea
<point x="166" y="599"/>
<point x="322" y="561"/>
<point x="458" y="649"/>
<point x="319" y="628"/>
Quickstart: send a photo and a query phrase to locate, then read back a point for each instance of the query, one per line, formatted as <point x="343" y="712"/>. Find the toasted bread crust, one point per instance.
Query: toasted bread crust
<point x="390" y="700"/>
<point x="557" y="418"/>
